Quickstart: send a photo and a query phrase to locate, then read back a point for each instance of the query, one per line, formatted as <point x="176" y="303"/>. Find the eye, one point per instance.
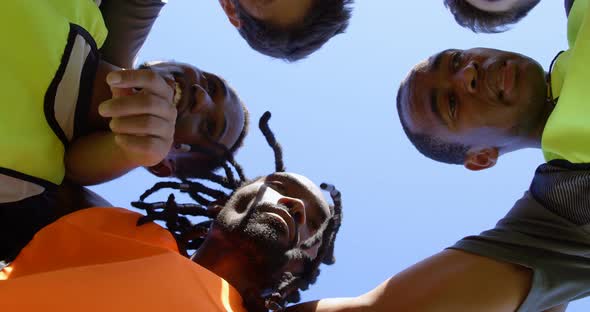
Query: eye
<point x="211" y="87"/>
<point x="452" y="106"/>
<point x="278" y="186"/>
<point x="208" y="127"/>
<point x="456" y="60"/>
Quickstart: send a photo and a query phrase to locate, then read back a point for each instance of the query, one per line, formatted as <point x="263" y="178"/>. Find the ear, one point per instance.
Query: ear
<point x="230" y="10"/>
<point x="481" y="159"/>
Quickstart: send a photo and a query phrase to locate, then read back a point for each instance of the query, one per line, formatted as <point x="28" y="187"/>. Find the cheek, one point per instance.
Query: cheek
<point x="187" y="129"/>
<point x="304" y="235"/>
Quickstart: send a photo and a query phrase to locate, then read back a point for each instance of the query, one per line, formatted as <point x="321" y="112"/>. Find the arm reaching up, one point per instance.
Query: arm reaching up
<point x="142" y="129"/>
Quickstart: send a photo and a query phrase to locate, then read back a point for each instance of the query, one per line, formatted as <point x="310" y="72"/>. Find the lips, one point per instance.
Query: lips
<point x="504" y="79"/>
<point x="283" y="216"/>
<point x="508" y="77"/>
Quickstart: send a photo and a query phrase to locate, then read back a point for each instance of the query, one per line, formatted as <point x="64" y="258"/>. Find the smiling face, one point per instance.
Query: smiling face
<point x="481" y="98"/>
<point x="277" y="214"/>
<point x="209" y="113"/>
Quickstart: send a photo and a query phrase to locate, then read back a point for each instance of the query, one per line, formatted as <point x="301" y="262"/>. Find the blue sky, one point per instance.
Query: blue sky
<point x="334" y="114"/>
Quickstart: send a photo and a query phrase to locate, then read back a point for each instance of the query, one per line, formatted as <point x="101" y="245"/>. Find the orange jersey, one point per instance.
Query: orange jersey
<point x="98" y="260"/>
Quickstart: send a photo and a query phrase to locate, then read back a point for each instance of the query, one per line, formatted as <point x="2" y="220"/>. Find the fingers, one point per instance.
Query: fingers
<point x="143" y="125"/>
<point x="142" y="121"/>
<point x="119" y="92"/>
<point x="146" y="79"/>
<point x="142" y="103"/>
<point x="147" y="150"/>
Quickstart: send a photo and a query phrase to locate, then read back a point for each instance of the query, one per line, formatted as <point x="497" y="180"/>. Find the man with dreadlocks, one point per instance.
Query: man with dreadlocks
<point x="265" y="241"/>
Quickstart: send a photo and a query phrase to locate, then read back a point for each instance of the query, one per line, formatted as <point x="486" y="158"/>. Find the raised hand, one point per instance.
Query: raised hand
<point x="143" y="114"/>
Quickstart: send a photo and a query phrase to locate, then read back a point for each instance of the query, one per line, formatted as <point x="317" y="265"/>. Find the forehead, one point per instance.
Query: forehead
<point x="416" y="97"/>
<point x="308" y="190"/>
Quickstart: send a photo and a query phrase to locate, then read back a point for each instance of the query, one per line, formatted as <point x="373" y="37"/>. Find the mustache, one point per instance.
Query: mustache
<point x="267" y="206"/>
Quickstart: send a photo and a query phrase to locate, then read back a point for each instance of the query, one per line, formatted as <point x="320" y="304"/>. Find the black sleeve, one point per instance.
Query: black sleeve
<point x="129" y="23"/>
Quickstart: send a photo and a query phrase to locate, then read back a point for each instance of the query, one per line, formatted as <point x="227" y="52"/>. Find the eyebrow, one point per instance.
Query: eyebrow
<point x="437" y="60"/>
<point x="435" y="64"/>
<point x="434" y="106"/>
<point x="219" y="83"/>
<point x="224" y="127"/>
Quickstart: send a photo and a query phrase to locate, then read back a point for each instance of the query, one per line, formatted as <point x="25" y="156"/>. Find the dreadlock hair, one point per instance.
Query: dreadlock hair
<point x="479" y="20"/>
<point x="428" y="145"/>
<point x="287" y="290"/>
<point x="190" y="236"/>
<point x="324" y="20"/>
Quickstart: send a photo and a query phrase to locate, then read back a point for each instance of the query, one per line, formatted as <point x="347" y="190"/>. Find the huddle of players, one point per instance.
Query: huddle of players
<point x="207" y="123"/>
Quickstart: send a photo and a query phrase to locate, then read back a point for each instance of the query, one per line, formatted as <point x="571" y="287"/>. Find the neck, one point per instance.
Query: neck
<point x="222" y="257"/>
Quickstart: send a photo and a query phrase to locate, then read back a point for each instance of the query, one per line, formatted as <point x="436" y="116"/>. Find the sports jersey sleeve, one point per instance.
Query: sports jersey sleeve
<point x="548" y="231"/>
<point x="98" y="259"/>
<point x="567" y="130"/>
<point x="129" y="23"/>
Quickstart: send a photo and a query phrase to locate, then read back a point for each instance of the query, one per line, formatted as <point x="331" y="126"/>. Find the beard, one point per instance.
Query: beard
<point x="256" y="233"/>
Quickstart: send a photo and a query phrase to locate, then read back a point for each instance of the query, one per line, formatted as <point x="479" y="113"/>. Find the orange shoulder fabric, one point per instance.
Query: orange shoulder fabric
<point x="99" y="260"/>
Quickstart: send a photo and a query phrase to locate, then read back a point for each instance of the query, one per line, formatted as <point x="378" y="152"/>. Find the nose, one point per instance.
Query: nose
<point x="296" y="208"/>
<point x="467" y="77"/>
<point x="203" y="102"/>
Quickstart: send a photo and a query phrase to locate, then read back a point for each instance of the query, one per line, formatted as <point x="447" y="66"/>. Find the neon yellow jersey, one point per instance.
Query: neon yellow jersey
<point x="49" y="60"/>
<point x="567" y="132"/>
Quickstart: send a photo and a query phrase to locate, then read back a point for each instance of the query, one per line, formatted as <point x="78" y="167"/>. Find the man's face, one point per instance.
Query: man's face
<point x="281" y="13"/>
<point x="477" y="97"/>
<point x="208" y="112"/>
<point x="498" y="6"/>
<point x="276" y="214"/>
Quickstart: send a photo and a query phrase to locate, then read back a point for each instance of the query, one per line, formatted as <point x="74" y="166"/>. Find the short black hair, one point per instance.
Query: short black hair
<point x="428" y="145"/>
<point x="325" y="19"/>
<point x="482" y="21"/>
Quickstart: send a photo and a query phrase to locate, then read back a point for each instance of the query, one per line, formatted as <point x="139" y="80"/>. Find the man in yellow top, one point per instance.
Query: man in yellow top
<point x="471" y="106"/>
<point x="468" y="107"/>
<point x="63" y="113"/>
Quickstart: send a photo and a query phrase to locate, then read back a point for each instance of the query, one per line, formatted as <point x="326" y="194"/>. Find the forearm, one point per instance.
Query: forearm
<point x="96" y="158"/>
<point x="454" y="281"/>
<point x="449" y="281"/>
<point x="129" y="22"/>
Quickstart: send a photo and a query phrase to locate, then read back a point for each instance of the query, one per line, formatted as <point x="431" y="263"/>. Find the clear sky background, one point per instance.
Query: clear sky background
<point x="335" y="115"/>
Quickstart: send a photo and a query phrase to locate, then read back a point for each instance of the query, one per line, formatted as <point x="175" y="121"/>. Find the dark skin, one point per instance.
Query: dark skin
<point x="281" y="210"/>
<point x="210" y="112"/>
<point x="449" y="281"/>
<point x="295" y="209"/>
<point x="490" y="100"/>
<point x="133" y="122"/>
